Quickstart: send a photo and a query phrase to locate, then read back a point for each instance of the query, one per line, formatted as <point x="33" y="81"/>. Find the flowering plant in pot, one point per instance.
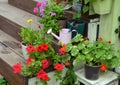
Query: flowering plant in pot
<point x="98" y="53"/>
<point x="28" y="35"/>
<point x="42" y="59"/>
<point x="50" y="13"/>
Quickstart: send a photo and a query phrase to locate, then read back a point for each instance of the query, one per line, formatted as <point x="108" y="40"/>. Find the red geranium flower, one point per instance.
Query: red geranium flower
<point x="86" y="38"/>
<point x="39" y="74"/>
<point x="62" y="50"/>
<point x="103" y="67"/>
<point x="45" y="47"/>
<point x="29" y="60"/>
<point x="44" y="64"/>
<point x="30" y="48"/>
<point x="17" y="68"/>
<point x="100" y="39"/>
<point x="109" y="42"/>
<point x="42" y="47"/>
<point x="58" y="67"/>
<point x="67" y="63"/>
<point x="45" y="77"/>
<point x="42" y="75"/>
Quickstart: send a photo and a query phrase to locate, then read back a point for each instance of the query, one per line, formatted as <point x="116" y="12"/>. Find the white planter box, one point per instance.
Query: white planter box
<point x="52" y="80"/>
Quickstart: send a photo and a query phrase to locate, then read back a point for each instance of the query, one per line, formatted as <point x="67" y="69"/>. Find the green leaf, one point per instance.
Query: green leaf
<point x="78" y="38"/>
<point x="86" y="1"/>
<point x="67" y="7"/>
<point x="85" y="8"/>
<point x="76" y="15"/>
<point x="66" y="58"/>
<point x="81" y="46"/>
<point x="69" y="47"/>
<point x="74" y="51"/>
<point x="77" y="60"/>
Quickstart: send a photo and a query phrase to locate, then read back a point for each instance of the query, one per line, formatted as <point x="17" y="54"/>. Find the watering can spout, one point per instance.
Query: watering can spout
<point x="50" y="32"/>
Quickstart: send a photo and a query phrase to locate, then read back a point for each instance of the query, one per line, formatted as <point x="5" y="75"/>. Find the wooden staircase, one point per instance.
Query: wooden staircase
<point x="13" y="16"/>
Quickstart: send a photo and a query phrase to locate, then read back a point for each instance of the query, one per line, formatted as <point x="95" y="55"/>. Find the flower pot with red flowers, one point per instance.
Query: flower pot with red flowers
<point x="43" y="63"/>
<point x="28" y="36"/>
<point x="98" y="53"/>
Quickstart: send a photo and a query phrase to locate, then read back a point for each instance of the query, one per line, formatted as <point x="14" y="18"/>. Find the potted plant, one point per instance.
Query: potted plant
<point x="98" y="54"/>
<point x="50" y="14"/>
<point x="77" y="22"/>
<point x="43" y="62"/>
<point x="28" y="35"/>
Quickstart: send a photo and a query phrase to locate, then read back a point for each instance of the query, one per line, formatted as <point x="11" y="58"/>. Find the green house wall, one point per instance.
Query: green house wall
<point x="108" y="24"/>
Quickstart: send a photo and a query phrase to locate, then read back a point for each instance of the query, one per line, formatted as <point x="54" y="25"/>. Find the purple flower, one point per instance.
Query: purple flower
<point x="42" y="7"/>
<point x="42" y="15"/>
<point x="44" y="3"/>
<point x="53" y="13"/>
<point x="42" y="12"/>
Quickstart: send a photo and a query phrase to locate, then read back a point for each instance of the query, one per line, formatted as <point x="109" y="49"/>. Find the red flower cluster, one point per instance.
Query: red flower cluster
<point x="100" y="39"/>
<point x="103" y="67"/>
<point x="58" y="67"/>
<point x="109" y="42"/>
<point x="29" y="60"/>
<point x="86" y="38"/>
<point x="67" y="63"/>
<point x="42" y="47"/>
<point x="62" y="50"/>
<point x="42" y="75"/>
<point x="44" y="64"/>
<point x="17" y="68"/>
<point x="30" y="48"/>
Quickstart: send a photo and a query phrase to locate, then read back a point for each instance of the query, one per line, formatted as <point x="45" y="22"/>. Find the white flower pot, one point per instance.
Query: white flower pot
<point x="117" y="70"/>
<point x="102" y="6"/>
<point x="24" y="51"/>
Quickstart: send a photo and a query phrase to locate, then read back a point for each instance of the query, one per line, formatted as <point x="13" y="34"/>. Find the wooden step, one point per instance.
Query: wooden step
<point x="10" y="27"/>
<point x="12" y="19"/>
<point x="9" y="55"/>
<point x="26" y="5"/>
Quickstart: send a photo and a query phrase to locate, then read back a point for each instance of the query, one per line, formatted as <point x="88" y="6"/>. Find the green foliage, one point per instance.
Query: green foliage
<point x="70" y="77"/>
<point x="28" y="35"/>
<point x="52" y="21"/>
<point x="84" y="8"/>
<point x="3" y="82"/>
<point x="34" y="37"/>
<point x="92" y="53"/>
<point x="43" y="82"/>
<point x="58" y="74"/>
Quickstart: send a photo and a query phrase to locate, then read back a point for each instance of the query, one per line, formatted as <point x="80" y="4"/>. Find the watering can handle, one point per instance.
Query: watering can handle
<point x="75" y="31"/>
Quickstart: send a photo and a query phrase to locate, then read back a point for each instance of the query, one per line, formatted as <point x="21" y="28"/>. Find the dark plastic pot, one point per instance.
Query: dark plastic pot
<point x="75" y="25"/>
<point x="92" y="72"/>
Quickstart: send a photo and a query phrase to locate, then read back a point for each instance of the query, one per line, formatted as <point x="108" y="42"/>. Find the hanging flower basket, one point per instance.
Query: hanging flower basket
<point x="102" y="6"/>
